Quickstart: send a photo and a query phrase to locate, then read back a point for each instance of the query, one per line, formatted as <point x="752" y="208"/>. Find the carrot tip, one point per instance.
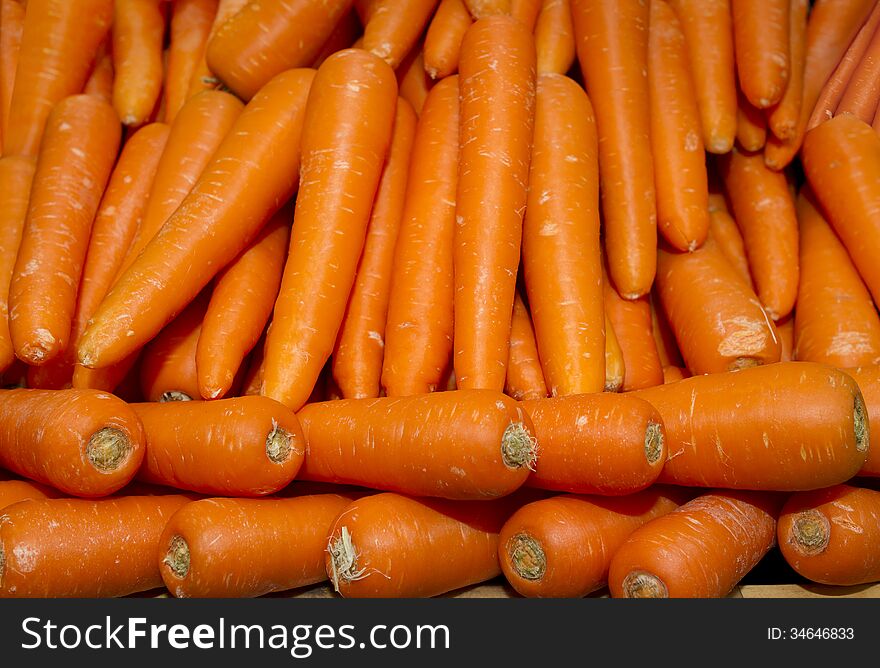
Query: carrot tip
<point x="861" y="424"/>
<point x="107" y="449"/>
<point x="518" y="447"/>
<point x="278" y="444"/>
<point x="720" y="145"/>
<point x="641" y="584"/>
<point x="527" y="556"/>
<point x="810" y="532"/>
<point x="174" y="395"/>
<point x="343" y="560"/>
<point x="653" y="442"/>
<point x="177" y="557"/>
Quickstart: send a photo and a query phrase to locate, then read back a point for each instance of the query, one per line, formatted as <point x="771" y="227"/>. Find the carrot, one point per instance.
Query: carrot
<point x="842" y="160"/>
<point x="477" y="444"/>
<point x="672" y="374"/>
<point x="13" y="491"/>
<point x="836" y="321"/>
<point x="214" y="223"/>
<point x="58" y="44"/>
<point x="268" y="37"/>
<point x="497" y="106"/>
<point x="737" y="334"/>
<point x="83" y="548"/>
<point x="100" y="81"/>
<point x="681" y="186"/>
<point x="765" y="213"/>
<point x="357" y="357"/>
<point x="16" y="174"/>
<point x="868" y="379"/>
<point x="562" y="547"/>
<point x="614" y="366"/>
<point x="343" y="37"/>
<point x="761" y="35"/>
<point x="253" y="376"/>
<point x="346" y="134"/>
<point x="726" y="235"/>
<point x="412" y="81"/>
<point x="863" y="90"/>
<point x="599" y="443"/>
<point x="11" y="27"/>
<point x="561" y="248"/>
<point x="554" y="37"/>
<point x="783" y="118"/>
<point x="751" y="125"/>
<point x="82" y="442"/>
<point x="785" y="332"/>
<point x="702" y="549"/>
<point x="789" y="426"/>
<point x="526" y="12"/>
<point x="246" y="446"/>
<point x="138" y="32"/>
<point x="443" y="39"/>
<point x="612" y="45"/>
<point x="664" y="337"/>
<point x="525" y="379"/>
<point x="76" y="157"/>
<point x="202" y="77"/>
<point x="395" y="26"/>
<point x="191" y="22"/>
<point x="247" y="547"/>
<point x="631" y="320"/>
<point x="482" y="8"/>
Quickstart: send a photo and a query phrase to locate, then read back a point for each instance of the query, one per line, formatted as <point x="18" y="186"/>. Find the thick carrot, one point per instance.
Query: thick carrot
<point x="554" y="37"/>
<point x="783" y="118"/>
<point x="599" y="443"/>
<point x="100" y="81"/>
<point x="52" y="548"/>
<point x="475" y="444"/>
<point x="765" y="213"/>
<point x="246" y="446"/>
<point x="357" y="357"/>
<point x="612" y="45"/>
<point x="268" y="37"/>
<point x="202" y="77"/>
<point x="138" y="32"/>
<point x="76" y="157"/>
<point x="525" y="378"/>
<point x="737" y="334"/>
<point x="842" y="162"/>
<point x="443" y="39"/>
<point x="561" y="249"/>
<point x="418" y="329"/>
<point x="344" y="35"/>
<point x="863" y="89"/>
<point x="82" y="442"/>
<point x="562" y="547"/>
<point x="725" y="233"/>
<point x="761" y="32"/>
<point x="497" y="80"/>
<point x="13" y="491"/>
<point x="788" y="426"/>
<point x="868" y="379"/>
<point x="58" y="44"/>
<point x="413" y="82"/>
<point x="11" y="27"/>
<point x="191" y="22"/>
<point x="223" y="548"/>
<point x="482" y="8"/>
<point x="346" y="134"/>
<point x="681" y="185"/>
<point x="253" y="172"/>
<point x="395" y="26"/>
<point x="700" y="550"/>
<point x="614" y="365"/>
<point x="631" y="320"/>
<point x="751" y="125"/>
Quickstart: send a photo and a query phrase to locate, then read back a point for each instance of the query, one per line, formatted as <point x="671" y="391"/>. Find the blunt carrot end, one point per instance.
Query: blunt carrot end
<point x="527" y="556"/>
<point x="108" y="448"/>
<point x="177" y="557"/>
<point x="860" y="421"/>
<point x="641" y="584"/>
<point x="810" y="532"/>
<point x="343" y="560"/>
<point x="654" y="445"/>
<point x="519" y="447"/>
<point x="279" y="444"/>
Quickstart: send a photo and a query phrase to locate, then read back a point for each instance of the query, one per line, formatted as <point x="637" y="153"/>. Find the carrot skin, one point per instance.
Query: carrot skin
<point x="863" y="90"/>
<point x="443" y="39"/>
<point x="202" y="77"/>
<point x="413" y="83"/>
<point x="138" y="32"/>
<point x="783" y="118"/>
<point x="525" y="378"/>
<point x="763" y="55"/>
<point x="395" y="26"/>
<point x="751" y="125"/>
<point x="615" y="370"/>
<point x="633" y="329"/>
<point x="191" y="22"/>
<point x="554" y="37"/>
<point x="13" y="491"/>
<point x="344" y="35"/>
<point x="725" y="233"/>
<point x="12" y="22"/>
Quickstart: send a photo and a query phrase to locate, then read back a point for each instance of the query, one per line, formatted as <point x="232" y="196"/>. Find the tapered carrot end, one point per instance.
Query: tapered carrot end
<point x="810" y="532"/>
<point x="177" y="558"/>
<point x="527" y="556"/>
<point x="641" y="584"/>
<point x="41" y="348"/>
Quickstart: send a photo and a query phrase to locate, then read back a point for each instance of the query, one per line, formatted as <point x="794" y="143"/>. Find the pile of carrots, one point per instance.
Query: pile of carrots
<point x="407" y="294"/>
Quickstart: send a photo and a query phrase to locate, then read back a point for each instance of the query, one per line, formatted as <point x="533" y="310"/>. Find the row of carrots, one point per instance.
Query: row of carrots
<point x="446" y="320"/>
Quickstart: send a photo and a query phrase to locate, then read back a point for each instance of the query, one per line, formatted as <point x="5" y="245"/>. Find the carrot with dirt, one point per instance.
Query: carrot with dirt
<point x="247" y="547"/>
<point x="418" y="328"/>
<point x="554" y="37"/>
<point x="701" y="549"/>
<point x="783" y="118"/>
<point x="100" y="81"/>
<point x="13" y="491"/>
<point x="614" y="365"/>
<point x="836" y="322"/>
<point x="868" y="379"/>
<point x="11" y="28"/>
<point x="76" y="157"/>
<point x="863" y="90"/>
<point x="633" y="329"/>
<point x="138" y="32"/>
<point x="600" y="443"/>
<point x="266" y="38"/>
<point x="561" y="249"/>
<point x="82" y="442"/>
<point x="751" y="125"/>
<point x="413" y="82"/>
<point x="760" y="428"/>
<point x="444" y="36"/>
<point x="477" y="444"/>
<point x="75" y="548"/>
<point x="612" y="46"/>
<point x="739" y="334"/>
<point x="681" y="185"/>
<point x="726" y="235"/>
<point x="245" y="446"/>
<point x="497" y="100"/>
<point x="395" y="26"/>
<point x="202" y="77"/>
<point x="58" y="44"/>
<point x="191" y="22"/>
<point x="222" y="214"/>
<point x="357" y="357"/>
<point x="761" y="35"/>
<point x="562" y="547"/>
<point x="525" y="378"/>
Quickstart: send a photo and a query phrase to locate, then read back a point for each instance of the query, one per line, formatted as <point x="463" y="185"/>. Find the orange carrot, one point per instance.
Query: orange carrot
<point x="482" y="8"/>
<point x="497" y="98"/>
<point x="343" y="37"/>
<point x="785" y="332"/>
<point x="751" y="125"/>
<point x="357" y="357"/>
<point x="868" y="378"/>
<point x="11" y="27"/>
<point x="783" y="118"/>
<point x="614" y="366"/>
<point x="672" y="374"/>
<point x="664" y="337"/>
<point x="554" y="37"/>
<point x="443" y="39"/>
<point x="631" y="320"/>
<point x="13" y="491"/>
<point x="761" y="32"/>
<point x="202" y="77"/>
<point x="100" y="81"/>
<point x="191" y="22"/>
<point x="412" y="80"/>
<point x="726" y="235"/>
<point x="138" y="31"/>
<point x="863" y="89"/>
<point x="525" y="379"/>
<point x="395" y="26"/>
<point x="526" y="12"/>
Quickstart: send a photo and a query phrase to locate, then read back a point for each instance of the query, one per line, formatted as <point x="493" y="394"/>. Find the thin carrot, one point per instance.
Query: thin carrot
<point x="253" y="376"/>
<point x="343" y="37"/>
<point x="100" y="81"/>
<point x="482" y="8"/>
<point x="418" y="329"/>
<point x="606" y="444"/>
<point x="664" y="337"/>
<point x="615" y="369"/>
<point x="612" y="45"/>
<point x="82" y="548"/>
<point x="477" y="444"/>
<point x="246" y="446"/>
<point x="357" y="357"/>
<point x="700" y="550"/>
<point x="783" y="118"/>
<point x="413" y="82"/>
<point x="214" y="223"/>
<point x="525" y="378"/>
<point x="191" y="22"/>
<point x="561" y="248"/>
<point x="443" y="39"/>
<point x="82" y="442"/>
<point x="868" y="379"/>
<point x="554" y="37"/>
<point x="751" y="125"/>
<point x="268" y="37"/>
<point x="761" y="32"/>
<point x="497" y="101"/>
<point x="247" y="547"/>
<point x="788" y="426"/>
<point x="77" y="154"/>
<point x="725" y="233"/>
<point x="395" y="26"/>
<point x="202" y="77"/>
<point x="138" y="32"/>
<point x="785" y="332"/>
<point x="562" y="547"/>
<point x="526" y="12"/>
<point x="863" y="89"/>
<point x="11" y="27"/>
<point x="631" y="320"/>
